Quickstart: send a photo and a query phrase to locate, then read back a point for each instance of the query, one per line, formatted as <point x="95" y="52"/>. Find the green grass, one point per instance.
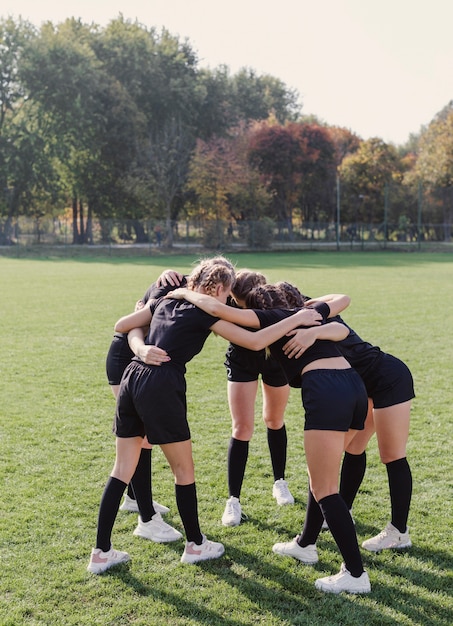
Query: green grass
<point x="57" y="451"/>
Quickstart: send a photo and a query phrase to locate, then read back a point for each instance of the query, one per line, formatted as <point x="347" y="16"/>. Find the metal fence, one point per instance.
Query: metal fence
<point x="186" y="235"/>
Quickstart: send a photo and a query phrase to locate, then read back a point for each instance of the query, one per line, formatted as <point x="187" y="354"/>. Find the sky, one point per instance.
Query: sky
<point x="379" y="68"/>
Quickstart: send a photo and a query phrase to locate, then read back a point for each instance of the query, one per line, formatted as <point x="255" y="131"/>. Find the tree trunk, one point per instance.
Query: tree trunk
<point x="169" y="239"/>
<point x="82" y="225"/>
<point x="75" y="229"/>
<point x="141" y="236"/>
<point x="89" y="231"/>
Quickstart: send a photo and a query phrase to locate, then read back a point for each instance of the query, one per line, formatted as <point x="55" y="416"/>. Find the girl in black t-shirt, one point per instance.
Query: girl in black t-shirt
<point x="335" y="403"/>
<point x="390" y="387"/>
<point x="119" y="356"/>
<point x="244" y="369"/>
<point x="152" y="402"/>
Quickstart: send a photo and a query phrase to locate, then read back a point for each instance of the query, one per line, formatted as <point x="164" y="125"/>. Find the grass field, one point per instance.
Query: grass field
<point x="57" y="451"/>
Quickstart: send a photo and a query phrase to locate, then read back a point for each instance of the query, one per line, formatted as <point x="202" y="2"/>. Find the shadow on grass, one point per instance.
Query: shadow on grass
<point x="284" y="589"/>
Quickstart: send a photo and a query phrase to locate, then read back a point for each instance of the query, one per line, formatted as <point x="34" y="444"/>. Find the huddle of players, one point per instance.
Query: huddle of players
<point x="312" y="359"/>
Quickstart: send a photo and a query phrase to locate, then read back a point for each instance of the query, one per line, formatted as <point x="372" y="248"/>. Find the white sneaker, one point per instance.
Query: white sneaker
<point x="102" y="561"/>
<point x="129" y="504"/>
<point x="157" y="530"/>
<point x="325" y="525"/>
<point x="308" y="555"/>
<point x="232" y="514"/>
<point x="390" y="537"/>
<point x="193" y="553"/>
<point x="160" y="508"/>
<point x="281" y="492"/>
<point x="343" y="581"/>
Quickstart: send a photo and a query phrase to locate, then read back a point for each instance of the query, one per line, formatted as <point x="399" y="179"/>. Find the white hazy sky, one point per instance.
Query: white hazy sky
<point x="380" y="68"/>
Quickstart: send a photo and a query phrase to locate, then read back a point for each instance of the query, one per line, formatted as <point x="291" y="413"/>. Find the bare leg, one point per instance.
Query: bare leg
<point x="324" y="450"/>
<point x="241" y="400"/>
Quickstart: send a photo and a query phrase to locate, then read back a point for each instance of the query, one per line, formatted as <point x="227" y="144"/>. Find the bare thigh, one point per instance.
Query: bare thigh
<point x="127" y="455"/>
<point x="360" y="441"/>
<point x="324" y="451"/>
<point x="392" y="430"/>
<point x="275" y="400"/>
<point x="241" y="400"/>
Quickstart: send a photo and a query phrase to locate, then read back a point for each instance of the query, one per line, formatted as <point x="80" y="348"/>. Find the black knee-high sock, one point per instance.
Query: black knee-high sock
<point x="277" y="441"/>
<point x="238" y="452"/>
<point x="352" y="473"/>
<point x="186" y="500"/>
<point x="400" y="485"/>
<point x="141" y="484"/>
<point x="130" y="492"/>
<point x="108" y="509"/>
<point x="313" y="522"/>
<point x="336" y="514"/>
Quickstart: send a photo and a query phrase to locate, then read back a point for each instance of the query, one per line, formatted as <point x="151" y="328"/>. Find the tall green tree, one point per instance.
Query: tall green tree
<point x="365" y="176"/>
<point x="434" y="168"/>
<point x="62" y="74"/>
<point x="17" y="137"/>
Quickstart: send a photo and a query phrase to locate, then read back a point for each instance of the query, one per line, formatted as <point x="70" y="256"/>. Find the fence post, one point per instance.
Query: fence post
<point x="338" y="212"/>
<point x="419" y="216"/>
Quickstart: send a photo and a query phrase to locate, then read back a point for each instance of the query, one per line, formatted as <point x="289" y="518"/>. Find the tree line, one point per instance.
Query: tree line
<point x="121" y="123"/>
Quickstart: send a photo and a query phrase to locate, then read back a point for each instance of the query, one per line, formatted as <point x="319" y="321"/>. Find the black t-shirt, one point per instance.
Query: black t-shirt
<point x="179" y="328"/>
<point x="321" y="349"/>
<point x="154" y="291"/>
<point x="361" y="355"/>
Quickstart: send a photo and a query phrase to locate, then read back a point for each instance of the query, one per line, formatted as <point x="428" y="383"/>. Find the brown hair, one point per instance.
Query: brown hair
<point x="295" y="298"/>
<point x="266" y="297"/>
<point x="246" y="280"/>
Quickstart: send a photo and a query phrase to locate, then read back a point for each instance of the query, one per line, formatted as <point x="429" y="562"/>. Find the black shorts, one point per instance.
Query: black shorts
<point x="118" y="358"/>
<point x="389" y="382"/>
<point x="244" y="366"/>
<point x="334" y="400"/>
<point x="152" y="402"/>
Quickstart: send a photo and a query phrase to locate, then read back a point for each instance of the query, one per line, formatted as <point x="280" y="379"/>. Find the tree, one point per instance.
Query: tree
<point x="62" y="74"/>
<point x="365" y="176"/>
<point x="317" y="172"/>
<point x="296" y="162"/>
<point x="276" y="154"/>
<point x="28" y="179"/>
<point x="226" y="185"/>
<point x="434" y="166"/>
<point x="164" y="165"/>
<point x="257" y="97"/>
<point x="345" y="141"/>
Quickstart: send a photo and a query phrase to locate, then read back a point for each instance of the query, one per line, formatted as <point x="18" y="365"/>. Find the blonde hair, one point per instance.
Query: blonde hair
<point x="211" y="272"/>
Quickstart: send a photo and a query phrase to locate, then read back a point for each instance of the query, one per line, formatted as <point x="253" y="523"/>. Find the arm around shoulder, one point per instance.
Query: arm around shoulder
<point x="133" y="320"/>
<point x="337" y="302"/>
